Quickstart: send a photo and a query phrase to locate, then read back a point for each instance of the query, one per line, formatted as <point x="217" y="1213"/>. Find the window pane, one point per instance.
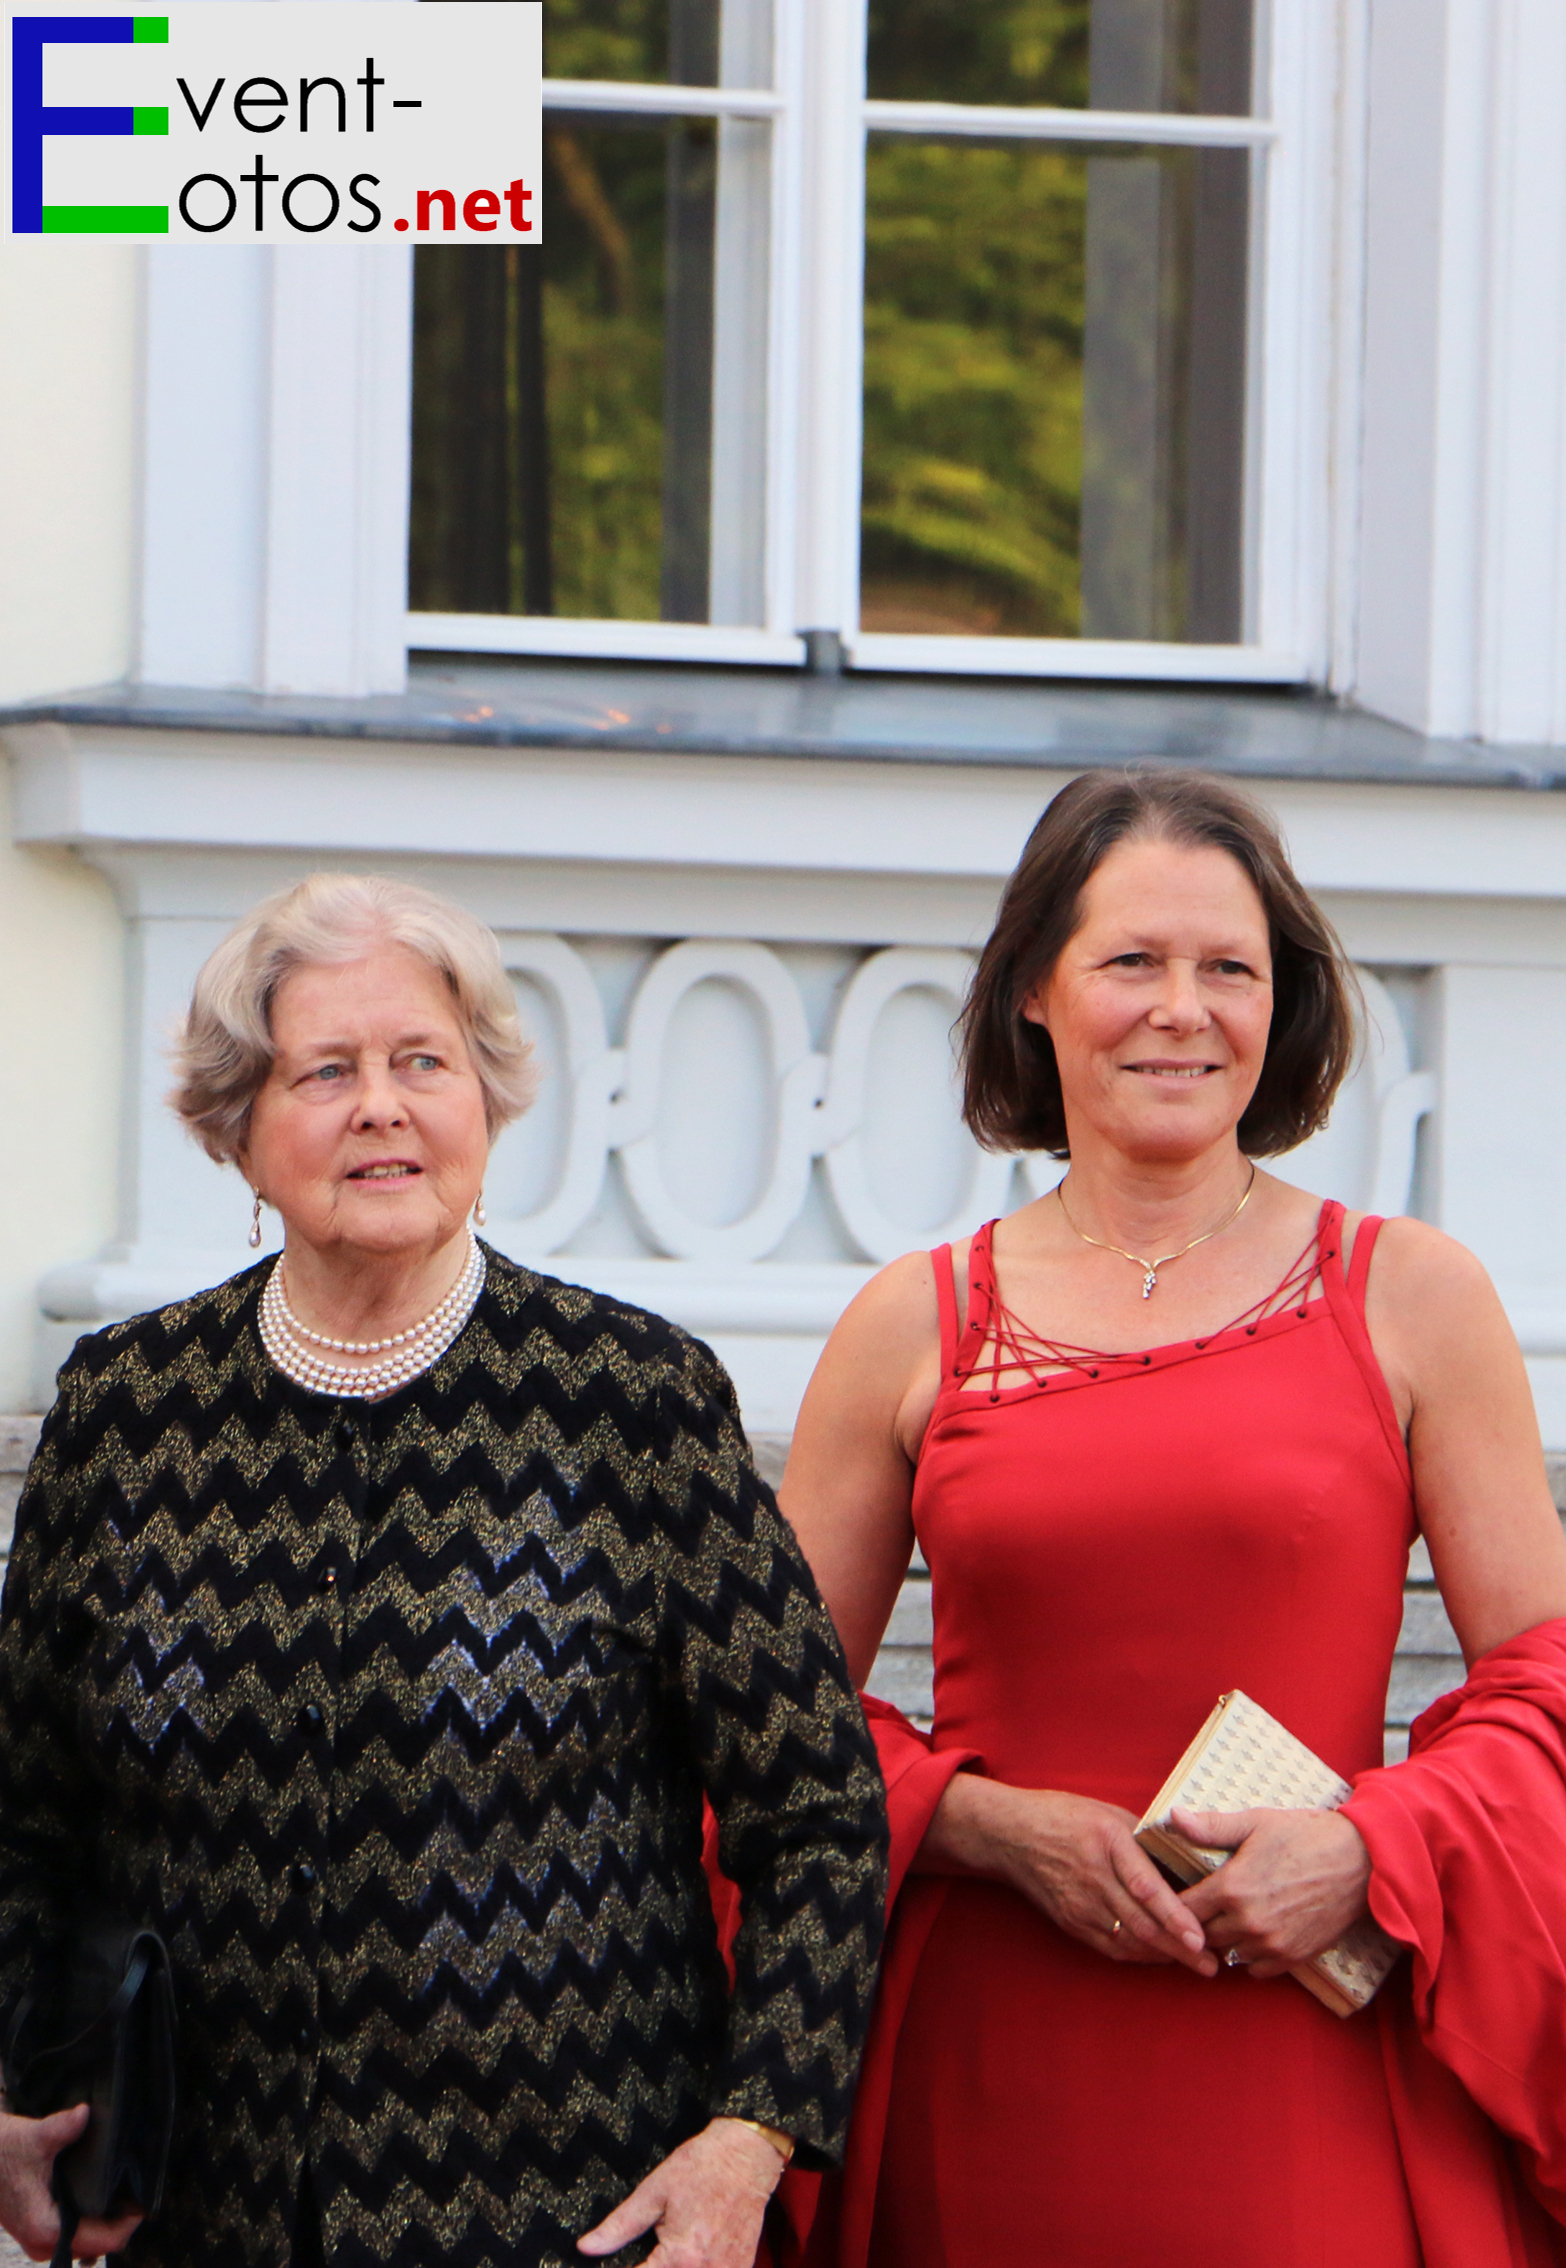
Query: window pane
<point x="1192" y="55"/>
<point x="1054" y="390"/>
<point x="693" y="43"/>
<point x="589" y="416"/>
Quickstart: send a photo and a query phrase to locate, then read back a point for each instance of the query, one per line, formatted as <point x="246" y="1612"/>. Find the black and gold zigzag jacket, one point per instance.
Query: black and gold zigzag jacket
<point x="396" y="1720"/>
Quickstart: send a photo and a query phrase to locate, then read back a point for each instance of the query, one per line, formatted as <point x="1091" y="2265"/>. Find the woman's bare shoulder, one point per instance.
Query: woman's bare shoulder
<point x="885" y="1342"/>
<point x="1432" y="1311"/>
<point x="1418" y="1260"/>
<point x="898" y="1303"/>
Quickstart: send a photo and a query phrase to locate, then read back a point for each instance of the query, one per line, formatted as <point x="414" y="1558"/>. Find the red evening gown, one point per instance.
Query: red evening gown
<point x="1113" y="1545"/>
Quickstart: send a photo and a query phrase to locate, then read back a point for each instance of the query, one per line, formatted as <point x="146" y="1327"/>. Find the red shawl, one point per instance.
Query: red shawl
<point x="1468" y="1849"/>
<point x="1467" y="1843"/>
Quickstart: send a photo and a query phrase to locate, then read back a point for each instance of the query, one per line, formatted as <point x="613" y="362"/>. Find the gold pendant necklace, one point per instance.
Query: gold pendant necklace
<point x="1150" y="1268"/>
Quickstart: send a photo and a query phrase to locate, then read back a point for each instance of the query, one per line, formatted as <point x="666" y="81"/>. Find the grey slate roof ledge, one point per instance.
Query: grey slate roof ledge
<point x="869" y="719"/>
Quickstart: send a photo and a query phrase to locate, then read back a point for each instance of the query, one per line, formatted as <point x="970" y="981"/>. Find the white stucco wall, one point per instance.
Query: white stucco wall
<point x="68" y="405"/>
<point x="61" y="987"/>
<point x="68" y="315"/>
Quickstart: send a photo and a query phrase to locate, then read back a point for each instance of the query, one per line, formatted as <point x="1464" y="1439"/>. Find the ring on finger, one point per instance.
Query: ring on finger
<point x="1116" y="1926"/>
<point x="1235" y="1959"/>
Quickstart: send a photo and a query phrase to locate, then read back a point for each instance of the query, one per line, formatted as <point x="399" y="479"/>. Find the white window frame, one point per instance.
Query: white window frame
<point x="821" y="118"/>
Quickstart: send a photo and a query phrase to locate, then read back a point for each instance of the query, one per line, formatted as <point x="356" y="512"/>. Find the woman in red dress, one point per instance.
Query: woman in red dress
<point x="1168" y="1431"/>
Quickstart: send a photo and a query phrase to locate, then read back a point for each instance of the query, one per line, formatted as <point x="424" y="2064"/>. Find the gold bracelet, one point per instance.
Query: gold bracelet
<point x="782" y="2143"/>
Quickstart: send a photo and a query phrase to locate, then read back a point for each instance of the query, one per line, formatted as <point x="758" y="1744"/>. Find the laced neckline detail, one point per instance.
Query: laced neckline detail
<point x="1007" y="1345"/>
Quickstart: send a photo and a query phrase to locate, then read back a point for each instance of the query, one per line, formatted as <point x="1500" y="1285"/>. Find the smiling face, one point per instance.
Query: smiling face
<point x="369" y="1135"/>
<point x="1160" y="1004"/>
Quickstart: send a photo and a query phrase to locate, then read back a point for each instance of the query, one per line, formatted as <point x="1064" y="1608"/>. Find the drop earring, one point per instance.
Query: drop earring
<point x="255" y="1223"/>
<point x="480" y="1217"/>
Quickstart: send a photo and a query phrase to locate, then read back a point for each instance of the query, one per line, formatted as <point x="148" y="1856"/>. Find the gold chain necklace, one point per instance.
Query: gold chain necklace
<point x="1150" y="1268"/>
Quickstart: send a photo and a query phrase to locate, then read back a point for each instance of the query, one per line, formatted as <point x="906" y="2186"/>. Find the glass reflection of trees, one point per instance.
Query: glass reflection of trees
<point x="1190" y="55"/>
<point x="544" y="498"/>
<point x="1033" y="51"/>
<point x="1054" y="390"/>
<point x="1054" y="384"/>
<point x="973" y="387"/>
<point x="1054" y="387"/>
<point x="563" y="395"/>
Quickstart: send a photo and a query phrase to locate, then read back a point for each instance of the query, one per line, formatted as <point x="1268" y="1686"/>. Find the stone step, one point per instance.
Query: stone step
<point x="1417" y="1680"/>
<point x="905" y="1676"/>
<point x="1426" y="1629"/>
<point x="912" y="1622"/>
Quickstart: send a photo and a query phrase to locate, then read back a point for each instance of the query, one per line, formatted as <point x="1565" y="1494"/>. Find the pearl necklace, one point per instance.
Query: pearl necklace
<point x="402" y="1357"/>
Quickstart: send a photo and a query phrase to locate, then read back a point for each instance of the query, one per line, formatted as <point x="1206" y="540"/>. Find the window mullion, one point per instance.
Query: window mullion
<point x="785" y="315"/>
<point x="831" y="314"/>
<point x="1292" y="338"/>
<point x="743" y="286"/>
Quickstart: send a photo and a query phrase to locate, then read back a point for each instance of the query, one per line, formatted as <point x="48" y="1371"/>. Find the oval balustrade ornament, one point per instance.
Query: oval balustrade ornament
<point x="817" y="1105"/>
<point x="588" y="1075"/>
<point x="1365" y="1155"/>
<point x="851" y="1175"/>
<point x="795" y="1081"/>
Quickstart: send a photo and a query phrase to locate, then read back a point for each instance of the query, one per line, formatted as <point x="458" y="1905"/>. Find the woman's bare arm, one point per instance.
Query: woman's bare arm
<point x="849" y="1482"/>
<point x="1457" y="1376"/>
<point x="1461" y="1392"/>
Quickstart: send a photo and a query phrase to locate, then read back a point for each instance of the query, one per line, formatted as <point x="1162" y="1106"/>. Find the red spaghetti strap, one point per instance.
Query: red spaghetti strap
<point x="946" y="1302"/>
<point x="984" y="1306"/>
<point x="1346" y="1298"/>
<point x="1329" y="1247"/>
<point x="1359" y="1267"/>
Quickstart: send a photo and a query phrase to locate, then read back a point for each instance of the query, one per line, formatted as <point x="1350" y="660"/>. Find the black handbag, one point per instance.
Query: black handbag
<point x="102" y="2033"/>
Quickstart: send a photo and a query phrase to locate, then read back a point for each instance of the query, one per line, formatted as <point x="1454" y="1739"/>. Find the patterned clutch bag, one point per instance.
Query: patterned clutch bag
<point x="1244" y="1760"/>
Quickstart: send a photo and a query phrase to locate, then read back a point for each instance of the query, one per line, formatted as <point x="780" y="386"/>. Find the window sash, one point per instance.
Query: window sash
<point x="821" y="119"/>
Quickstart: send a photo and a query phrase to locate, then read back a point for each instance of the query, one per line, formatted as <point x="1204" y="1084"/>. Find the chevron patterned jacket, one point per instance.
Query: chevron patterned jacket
<point x="396" y="1720"/>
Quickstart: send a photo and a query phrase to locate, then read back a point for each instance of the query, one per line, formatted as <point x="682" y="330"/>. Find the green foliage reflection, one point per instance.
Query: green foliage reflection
<point x="990" y="505"/>
<point x="1190" y="55"/>
<point x="1001" y="51"/>
<point x="606" y="39"/>
<point x="974" y="308"/>
<point x="603" y="333"/>
<point x="604" y="345"/>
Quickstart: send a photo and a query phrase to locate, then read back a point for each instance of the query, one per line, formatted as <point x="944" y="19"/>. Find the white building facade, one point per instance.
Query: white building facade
<point x="739" y="883"/>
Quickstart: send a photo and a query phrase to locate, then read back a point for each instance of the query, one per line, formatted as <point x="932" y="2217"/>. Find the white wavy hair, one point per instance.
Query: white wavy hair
<point x="223" y="1052"/>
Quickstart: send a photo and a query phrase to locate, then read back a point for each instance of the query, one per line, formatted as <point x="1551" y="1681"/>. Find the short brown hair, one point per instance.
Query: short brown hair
<point x="1011" y="1084"/>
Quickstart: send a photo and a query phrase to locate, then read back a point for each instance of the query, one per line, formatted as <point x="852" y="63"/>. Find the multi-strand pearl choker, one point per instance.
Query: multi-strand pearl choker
<point x="399" y="1359"/>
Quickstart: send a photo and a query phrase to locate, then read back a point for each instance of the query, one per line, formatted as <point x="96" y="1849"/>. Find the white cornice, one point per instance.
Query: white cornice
<point x="101" y="787"/>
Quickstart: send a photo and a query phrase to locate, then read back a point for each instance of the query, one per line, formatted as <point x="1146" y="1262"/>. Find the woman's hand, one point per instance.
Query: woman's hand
<point x="1296" y="1882"/>
<point x="1074" y="1858"/>
<point x="28" y="2149"/>
<point x="706" y="2201"/>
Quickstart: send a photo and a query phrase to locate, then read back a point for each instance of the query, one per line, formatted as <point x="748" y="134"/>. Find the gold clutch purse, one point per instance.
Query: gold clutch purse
<point x="1244" y="1760"/>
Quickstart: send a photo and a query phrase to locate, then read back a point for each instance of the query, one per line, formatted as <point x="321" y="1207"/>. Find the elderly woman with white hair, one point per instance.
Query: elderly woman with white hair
<point x="376" y="1626"/>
